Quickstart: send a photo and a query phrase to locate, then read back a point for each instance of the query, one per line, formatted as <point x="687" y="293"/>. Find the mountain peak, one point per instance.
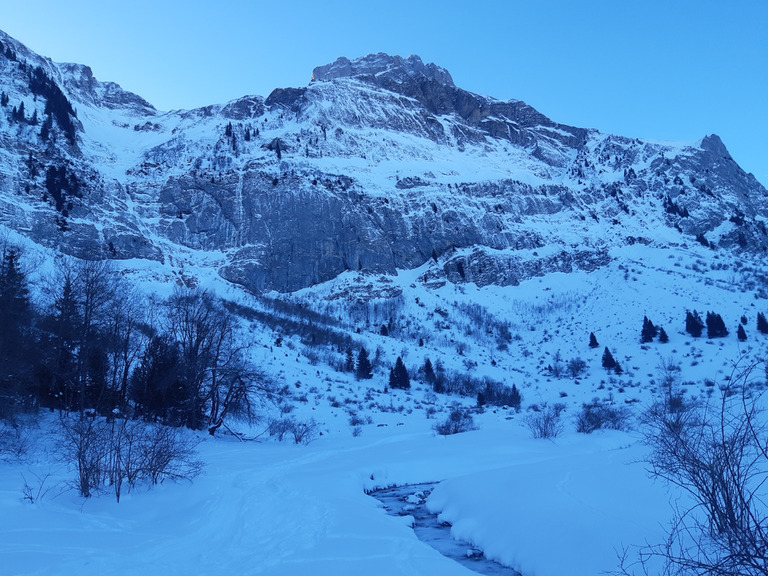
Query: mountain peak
<point x="382" y="65"/>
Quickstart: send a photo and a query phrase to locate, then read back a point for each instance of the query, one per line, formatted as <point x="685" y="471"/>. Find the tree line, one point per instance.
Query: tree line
<point x="94" y="344"/>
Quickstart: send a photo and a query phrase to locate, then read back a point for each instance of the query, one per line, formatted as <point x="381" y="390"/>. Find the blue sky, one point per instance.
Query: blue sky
<point x="663" y="69"/>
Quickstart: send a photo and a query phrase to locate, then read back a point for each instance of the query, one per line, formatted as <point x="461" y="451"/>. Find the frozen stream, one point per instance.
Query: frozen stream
<point x="410" y="500"/>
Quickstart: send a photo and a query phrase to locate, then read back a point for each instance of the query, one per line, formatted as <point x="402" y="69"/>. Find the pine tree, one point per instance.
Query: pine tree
<point x="363" y="370"/>
<point x="648" y="332"/>
<point x="18" y="113"/>
<point x="429" y="372"/>
<point x="693" y="324"/>
<point x="398" y="376"/>
<point x="514" y="398"/>
<point x="45" y="129"/>
<point x="715" y="326"/>
<point x="740" y="334"/>
<point x="592" y="340"/>
<point x="762" y="323"/>
<point x="663" y="338"/>
<point x="608" y="362"/>
<point x="15" y="334"/>
<point x="349" y="364"/>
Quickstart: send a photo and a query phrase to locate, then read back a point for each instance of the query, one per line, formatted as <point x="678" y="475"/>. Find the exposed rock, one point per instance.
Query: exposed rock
<point x="380" y="164"/>
<point x="383" y="67"/>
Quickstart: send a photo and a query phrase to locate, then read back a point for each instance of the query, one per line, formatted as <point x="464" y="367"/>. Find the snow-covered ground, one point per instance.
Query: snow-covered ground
<point x="546" y="508"/>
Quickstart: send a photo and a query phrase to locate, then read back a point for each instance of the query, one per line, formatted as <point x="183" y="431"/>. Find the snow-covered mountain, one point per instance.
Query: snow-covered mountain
<point x="380" y="163"/>
<point x="380" y="208"/>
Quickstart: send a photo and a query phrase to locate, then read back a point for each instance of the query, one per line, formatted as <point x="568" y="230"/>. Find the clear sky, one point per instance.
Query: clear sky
<point x="663" y="69"/>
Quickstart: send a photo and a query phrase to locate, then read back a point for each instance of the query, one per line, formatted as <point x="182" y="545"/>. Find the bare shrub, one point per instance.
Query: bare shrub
<point x="598" y="415"/>
<point x="546" y="422"/>
<point x="37" y="490"/>
<point x="14" y="440"/>
<point x="718" y="455"/>
<point x="458" y="421"/>
<point x="83" y="443"/>
<point x="279" y="427"/>
<point x="302" y="431"/>
<point x="113" y="453"/>
<point x="576" y="367"/>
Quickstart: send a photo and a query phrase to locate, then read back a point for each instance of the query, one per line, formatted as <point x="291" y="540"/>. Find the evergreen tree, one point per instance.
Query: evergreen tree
<point x="398" y="376"/>
<point x="18" y="113"/>
<point x="762" y="323"/>
<point x="45" y="129"/>
<point x="157" y="387"/>
<point x="514" y="398"/>
<point x="715" y="326"/>
<point x="663" y="338"/>
<point x="64" y="328"/>
<point x="3" y="99"/>
<point x="429" y="372"/>
<point x="608" y="362"/>
<point x="740" y="334"/>
<point x="363" y="370"/>
<point x="16" y="360"/>
<point x="693" y="324"/>
<point x="648" y="332"/>
<point x="349" y="363"/>
<point x="592" y="340"/>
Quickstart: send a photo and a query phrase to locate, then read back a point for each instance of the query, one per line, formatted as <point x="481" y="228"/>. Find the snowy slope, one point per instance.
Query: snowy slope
<point x="481" y="234"/>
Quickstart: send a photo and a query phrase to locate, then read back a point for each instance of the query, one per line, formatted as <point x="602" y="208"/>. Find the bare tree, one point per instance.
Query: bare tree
<point x="218" y="379"/>
<point x="124" y="452"/>
<point x="718" y="456"/>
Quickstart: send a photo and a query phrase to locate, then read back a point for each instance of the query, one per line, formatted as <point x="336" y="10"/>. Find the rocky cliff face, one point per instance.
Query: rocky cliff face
<point x="380" y="163"/>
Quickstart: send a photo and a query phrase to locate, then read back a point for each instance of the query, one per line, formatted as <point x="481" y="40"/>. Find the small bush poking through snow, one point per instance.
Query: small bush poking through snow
<point x="458" y="421"/>
<point x="546" y="422"/>
<point x="303" y="432"/>
<point x="597" y="416"/>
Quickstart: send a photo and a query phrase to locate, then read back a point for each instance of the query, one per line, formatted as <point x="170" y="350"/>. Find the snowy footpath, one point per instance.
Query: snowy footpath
<point x="544" y="508"/>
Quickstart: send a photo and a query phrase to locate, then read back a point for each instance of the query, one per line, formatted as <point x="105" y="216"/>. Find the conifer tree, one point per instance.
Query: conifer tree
<point x="663" y="338"/>
<point x="741" y="334"/>
<point x="15" y="333"/>
<point x="693" y="324"/>
<point x="762" y="323"/>
<point x="608" y="362"/>
<point x="592" y="340"/>
<point x="398" y="376"/>
<point x="349" y="363"/>
<point x="429" y="372"/>
<point x="649" y="331"/>
<point x="363" y="370"/>
<point x="514" y="397"/>
<point x="715" y="326"/>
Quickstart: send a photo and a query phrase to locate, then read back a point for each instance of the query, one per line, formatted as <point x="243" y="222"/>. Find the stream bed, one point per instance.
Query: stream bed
<point x="410" y="500"/>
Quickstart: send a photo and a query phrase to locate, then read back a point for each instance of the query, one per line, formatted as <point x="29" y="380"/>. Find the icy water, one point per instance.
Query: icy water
<point x="410" y="500"/>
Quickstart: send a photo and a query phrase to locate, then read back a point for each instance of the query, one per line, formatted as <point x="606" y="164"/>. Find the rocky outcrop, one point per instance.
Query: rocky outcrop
<point x="382" y="67"/>
<point x="380" y="164"/>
